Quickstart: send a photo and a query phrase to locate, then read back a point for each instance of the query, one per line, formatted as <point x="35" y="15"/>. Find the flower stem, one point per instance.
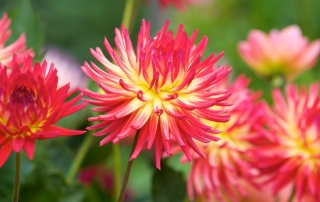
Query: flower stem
<point x="292" y="195"/>
<point x="116" y="170"/>
<point x="130" y="13"/>
<point x="84" y="148"/>
<point x="16" y="179"/>
<point x="278" y="81"/>
<point x="128" y="170"/>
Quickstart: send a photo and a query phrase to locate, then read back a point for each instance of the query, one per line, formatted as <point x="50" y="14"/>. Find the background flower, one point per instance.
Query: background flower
<point x="179" y="4"/>
<point x="285" y="53"/>
<point x="30" y="104"/>
<point x="68" y="67"/>
<point x="18" y="47"/>
<point x="227" y="168"/>
<point x="293" y="156"/>
<point x="104" y="178"/>
<point x="161" y="89"/>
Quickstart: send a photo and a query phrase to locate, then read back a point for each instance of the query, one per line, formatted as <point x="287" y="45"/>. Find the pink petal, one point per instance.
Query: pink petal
<point x="17" y="143"/>
<point x="310" y="55"/>
<point x="29" y="148"/>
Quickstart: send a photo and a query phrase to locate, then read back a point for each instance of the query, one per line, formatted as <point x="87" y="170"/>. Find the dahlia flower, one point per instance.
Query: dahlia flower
<point x="179" y="4"/>
<point x="18" y="47"/>
<point x="286" y="52"/>
<point x="161" y="89"/>
<point x="30" y="104"/>
<point x="221" y="177"/>
<point x="293" y="157"/>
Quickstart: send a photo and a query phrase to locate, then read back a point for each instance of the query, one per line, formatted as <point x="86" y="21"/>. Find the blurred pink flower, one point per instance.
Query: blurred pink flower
<point x="18" y="47"/>
<point x="69" y="68"/>
<point x="104" y="177"/>
<point x="293" y="157"/>
<point x="87" y="175"/>
<point x="286" y="52"/>
<point x="179" y="4"/>
<point x="222" y="175"/>
<point x="159" y="89"/>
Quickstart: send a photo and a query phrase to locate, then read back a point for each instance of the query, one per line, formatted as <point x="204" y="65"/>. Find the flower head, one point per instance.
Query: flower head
<point x="228" y="165"/>
<point x="18" y="47"/>
<point x="293" y="157"/>
<point x="30" y="104"/>
<point x="161" y="89"/>
<point x="286" y="52"/>
<point x="179" y="4"/>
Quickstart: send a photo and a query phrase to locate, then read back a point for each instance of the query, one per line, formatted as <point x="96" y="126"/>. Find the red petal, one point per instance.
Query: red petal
<point x="54" y="131"/>
<point x="5" y="151"/>
<point x="17" y="143"/>
<point x="29" y="148"/>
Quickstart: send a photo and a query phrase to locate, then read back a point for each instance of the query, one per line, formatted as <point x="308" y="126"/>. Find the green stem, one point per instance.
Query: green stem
<point x="128" y="170"/>
<point x="116" y="170"/>
<point x="292" y="195"/>
<point x="130" y="13"/>
<point x="84" y="148"/>
<point x="278" y="81"/>
<point x="16" y="179"/>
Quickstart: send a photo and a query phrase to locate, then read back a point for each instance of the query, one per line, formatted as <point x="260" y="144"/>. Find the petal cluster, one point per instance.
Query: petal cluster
<point x="293" y="156"/>
<point x="30" y="104"/>
<point x="18" y="47"/>
<point x="286" y="52"/>
<point x="161" y="89"/>
<point x="222" y="176"/>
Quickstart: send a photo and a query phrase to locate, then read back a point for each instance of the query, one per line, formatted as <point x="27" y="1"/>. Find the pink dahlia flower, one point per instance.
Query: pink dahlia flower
<point x="18" y="47"/>
<point x="30" y="104"/>
<point x="179" y="4"/>
<point x="221" y="176"/>
<point x="286" y="52"/>
<point x="293" y="157"/>
<point x="160" y="89"/>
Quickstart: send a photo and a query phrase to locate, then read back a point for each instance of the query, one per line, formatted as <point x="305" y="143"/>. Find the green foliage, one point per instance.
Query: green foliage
<point x="47" y="183"/>
<point x="168" y="185"/>
<point x="6" y="179"/>
<point x="24" y="19"/>
<point x="78" y="25"/>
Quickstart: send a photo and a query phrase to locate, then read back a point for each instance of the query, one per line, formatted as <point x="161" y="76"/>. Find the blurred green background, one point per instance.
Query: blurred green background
<point x="74" y="26"/>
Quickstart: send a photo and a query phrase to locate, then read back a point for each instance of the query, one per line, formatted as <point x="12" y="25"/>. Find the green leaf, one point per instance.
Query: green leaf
<point x="7" y="178"/>
<point x="47" y="183"/>
<point x="6" y="5"/>
<point x="168" y="185"/>
<point x="24" y="19"/>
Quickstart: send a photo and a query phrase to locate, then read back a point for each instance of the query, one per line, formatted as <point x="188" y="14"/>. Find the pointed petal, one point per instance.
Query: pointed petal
<point x="29" y="148"/>
<point x="17" y="143"/>
<point x="5" y="151"/>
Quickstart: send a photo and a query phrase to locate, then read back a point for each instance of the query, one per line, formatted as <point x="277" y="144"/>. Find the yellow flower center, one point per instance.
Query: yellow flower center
<point x="307" y="147"/>
<point x="230" y="136"/>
